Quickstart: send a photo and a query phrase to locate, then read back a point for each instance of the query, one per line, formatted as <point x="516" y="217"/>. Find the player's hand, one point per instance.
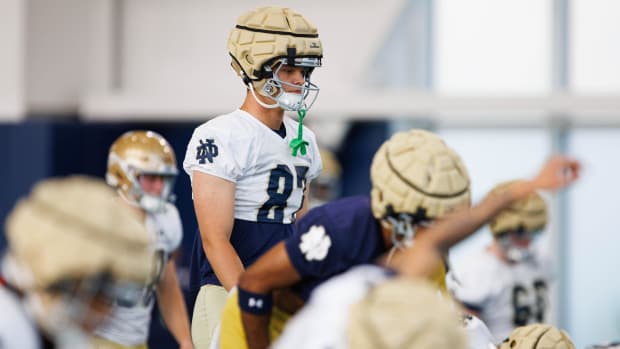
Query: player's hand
<point x="559" y="172"/>
<point x="186" y="345"/>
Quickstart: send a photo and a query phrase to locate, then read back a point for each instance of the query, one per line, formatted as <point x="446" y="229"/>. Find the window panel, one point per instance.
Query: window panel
<point x="593" y="302"/>
<point x="493" y="47"/>
<point x="595" y="51"/>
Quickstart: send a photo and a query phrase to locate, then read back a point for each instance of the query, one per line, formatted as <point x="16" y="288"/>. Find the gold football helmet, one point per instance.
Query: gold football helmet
<point x="71" y="242"/>
<point x="268" y="38"/>
<point x="537" y="336"/>
<point x="416" y="178"/>
<point x="142" y="153"/>
<point x="406" y="314"/>
<point x="525" y="217"/>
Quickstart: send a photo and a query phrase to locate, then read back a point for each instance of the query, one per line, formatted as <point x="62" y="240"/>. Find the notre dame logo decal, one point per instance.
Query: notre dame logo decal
<point x="207" y="150"/>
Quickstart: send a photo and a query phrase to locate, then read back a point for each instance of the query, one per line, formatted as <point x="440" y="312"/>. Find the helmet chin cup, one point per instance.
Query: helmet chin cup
<point x="514" y="253"/>
<point x="151" y="203"/>
<point x="290" y="101"/>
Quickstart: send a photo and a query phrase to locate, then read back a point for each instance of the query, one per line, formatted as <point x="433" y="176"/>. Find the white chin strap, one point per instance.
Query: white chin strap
<point x="263" y="104"/>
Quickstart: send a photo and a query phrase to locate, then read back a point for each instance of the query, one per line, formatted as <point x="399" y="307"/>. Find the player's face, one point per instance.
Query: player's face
<point x="152" y="184"/>
<point x="292" y="75"/>
<point x="520" y="240"/>
<point x="97" y="310"/>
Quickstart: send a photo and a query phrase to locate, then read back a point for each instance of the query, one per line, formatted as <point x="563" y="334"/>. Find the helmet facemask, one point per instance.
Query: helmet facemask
<point x="135" y="194"/>
<point x="301" y="96"/>
<point x="155" y="203"/>
<point x="405" y="225"/>
<point x="516" y="253"/>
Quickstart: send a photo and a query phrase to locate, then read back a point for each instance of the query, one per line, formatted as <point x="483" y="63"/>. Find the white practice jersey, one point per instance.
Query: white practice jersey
<point x="17" y="329"/>
<point x="322" y="322"/>
<point x="129" y="325"/>
<point x="505" y="295"/>
<point x="269" y="180"/>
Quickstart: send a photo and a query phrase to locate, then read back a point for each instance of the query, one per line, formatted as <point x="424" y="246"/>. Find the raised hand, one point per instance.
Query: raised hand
<point x="558" y="172"/>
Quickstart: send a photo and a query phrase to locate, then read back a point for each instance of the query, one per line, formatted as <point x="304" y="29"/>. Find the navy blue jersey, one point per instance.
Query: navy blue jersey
<point x="250" y="240"/>
<point x="331" y="239"/>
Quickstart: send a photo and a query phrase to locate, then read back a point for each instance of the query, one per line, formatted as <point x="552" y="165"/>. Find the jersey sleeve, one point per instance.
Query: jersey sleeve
<point x="171" y="229"/>
<point x="211" y="150"/>
<point x="470" y="286"/>
<point x="313" y="249"/>
<point x="316" y="163"/>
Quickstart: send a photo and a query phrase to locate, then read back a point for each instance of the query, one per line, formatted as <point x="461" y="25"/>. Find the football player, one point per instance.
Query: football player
<point x="416" y="178"/>
<point x="72" y="250"/>
<point x="506" y="284"/>
<point x="250" y="168"/>
<point x="142" y="168"/>
<point x="351" y="311"/>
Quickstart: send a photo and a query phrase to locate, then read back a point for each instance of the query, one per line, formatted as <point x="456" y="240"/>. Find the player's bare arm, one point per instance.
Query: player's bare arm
<point x="272" y="271"/>
<point x="172" y="306"/>
<point x="214" y="200"/>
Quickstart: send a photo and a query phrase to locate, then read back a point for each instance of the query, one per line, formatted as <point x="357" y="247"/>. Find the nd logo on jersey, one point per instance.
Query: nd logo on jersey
<point x="207" y="150"/>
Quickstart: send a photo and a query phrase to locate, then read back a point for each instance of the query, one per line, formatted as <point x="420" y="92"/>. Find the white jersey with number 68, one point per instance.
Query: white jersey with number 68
<point x="504" y="295"/>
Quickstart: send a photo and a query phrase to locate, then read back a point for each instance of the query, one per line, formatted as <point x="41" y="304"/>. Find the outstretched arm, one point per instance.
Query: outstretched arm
<point x="272" y="271"/>
<point x="425" y="255"/>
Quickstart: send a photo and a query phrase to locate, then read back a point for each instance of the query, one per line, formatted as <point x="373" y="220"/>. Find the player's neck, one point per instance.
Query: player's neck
<point x="272" y="118"/>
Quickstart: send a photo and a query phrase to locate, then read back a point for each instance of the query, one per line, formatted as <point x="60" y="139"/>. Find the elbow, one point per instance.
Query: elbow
<point x="212" y="242"/>
<point x="250" y="281"/>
